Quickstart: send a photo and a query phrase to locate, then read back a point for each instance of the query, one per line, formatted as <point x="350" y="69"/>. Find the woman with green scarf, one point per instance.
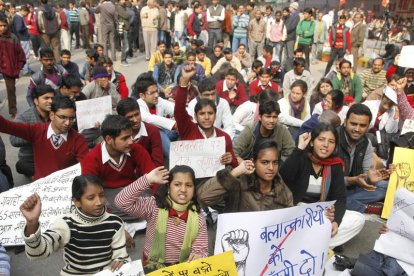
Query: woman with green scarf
<point x="176" y="231"/>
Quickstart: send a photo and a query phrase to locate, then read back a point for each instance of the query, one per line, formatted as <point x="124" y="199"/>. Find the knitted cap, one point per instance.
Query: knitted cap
<point x="100" y="72"/>
<point x="294" y="5"/>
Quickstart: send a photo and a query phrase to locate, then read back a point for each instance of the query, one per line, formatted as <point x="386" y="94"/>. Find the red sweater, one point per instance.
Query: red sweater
<point x="339" y="43"/>
<point x="134" y="166"/>
<point x="152" y="143"/>
<point x="188" y="130"/>
<point x="47" y="159"/>
<point x="241" y="96"/>
<point x="12" y="57"/>
<point x="255" y="88"/>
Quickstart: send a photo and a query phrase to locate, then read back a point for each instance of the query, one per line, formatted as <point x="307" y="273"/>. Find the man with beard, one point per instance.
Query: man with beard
<point x="365" y="185"/>
<point x="43" y="97"/>
<point x="55" y="142"/>
<point x="346" y="81"/>
<point x="50" y="74"/>
<point x="164" y="73"/>
<point x="373" y="78"/>
<point x="205" y="115"/>
<point x="145" y="134"/>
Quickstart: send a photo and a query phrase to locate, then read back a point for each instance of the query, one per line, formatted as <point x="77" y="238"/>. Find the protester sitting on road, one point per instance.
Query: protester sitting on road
<point x="313" y="174"/>
<point x="320" y="92"/>
<point x="87" y="221"/>
<point x="176" y="230"/>
<point x="254" y="185"/>
<point x="43" y="97"/>
<point x="56" y="141"/>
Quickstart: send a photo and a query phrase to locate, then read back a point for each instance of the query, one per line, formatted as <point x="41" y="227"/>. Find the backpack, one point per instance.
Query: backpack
<point x="52" y="26"/>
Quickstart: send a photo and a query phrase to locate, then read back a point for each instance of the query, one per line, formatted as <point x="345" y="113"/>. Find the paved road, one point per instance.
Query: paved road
<point x="21" y="266"/>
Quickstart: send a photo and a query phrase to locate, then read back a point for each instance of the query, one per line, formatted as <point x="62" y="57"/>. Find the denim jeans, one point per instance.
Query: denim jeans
<point x="167" y="136"/>
<point x="374" y="263"/>
<point x="162" y="36"/>
<point x="237" y="41"/>
<point x="178" y="37"/>
<point x="26" y="50"/>
<point x="4" y="262"/>
<point x="357" y="197"/>
<point x="277" y="50"/>
<point x="125" y="46"/>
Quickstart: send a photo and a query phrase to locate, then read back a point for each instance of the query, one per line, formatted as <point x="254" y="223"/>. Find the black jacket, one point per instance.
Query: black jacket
<point x="296" y="171"/>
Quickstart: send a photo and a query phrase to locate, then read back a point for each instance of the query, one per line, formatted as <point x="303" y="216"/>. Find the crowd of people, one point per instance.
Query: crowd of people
<point x="241" y="72"/>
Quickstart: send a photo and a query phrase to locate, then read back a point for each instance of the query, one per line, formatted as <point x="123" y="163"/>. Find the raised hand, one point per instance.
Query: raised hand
<point x="304" y="140"/>
<point x="188" y="71"/>
<point x="238" y="242"/>
<point x="31" y="208"/>
<point x="158" y="175"/>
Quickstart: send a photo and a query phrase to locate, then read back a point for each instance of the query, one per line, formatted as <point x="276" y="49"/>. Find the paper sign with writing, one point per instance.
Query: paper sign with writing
<point x="89" y="112"/>
<point x="398" y="242"/>
<point x="202" y="155"/>
<point x="130" y="269"/>
<point x="403" y="177"/>
<point x="406" y="57"/>
<point x="218" y="265"/>
<point x="291" y="241"/>
<point x="55" y="191"/>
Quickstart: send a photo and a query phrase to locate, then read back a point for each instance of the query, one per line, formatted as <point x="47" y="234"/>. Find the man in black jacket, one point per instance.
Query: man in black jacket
<point x="291" y="19"/>
<point x="365" y="184"/>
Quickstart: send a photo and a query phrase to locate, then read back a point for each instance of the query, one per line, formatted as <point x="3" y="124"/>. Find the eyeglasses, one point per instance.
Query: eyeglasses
<point x="65" y="118"/>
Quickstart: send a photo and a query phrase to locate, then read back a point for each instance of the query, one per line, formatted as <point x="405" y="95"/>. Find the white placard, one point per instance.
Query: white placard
<point x="408" y="126"/>
<point x="89" y="112"/>
<point x="398" y="242"/>
<point x="290" y="241"/>
<point x="202" y="155"/>
<point x="406" y="57"/>
<point x="129" y="269"/>
<point x="55" y="191"/>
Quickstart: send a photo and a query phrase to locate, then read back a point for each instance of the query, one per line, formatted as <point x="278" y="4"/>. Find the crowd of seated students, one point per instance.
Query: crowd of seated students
<point x="289" y="140"/>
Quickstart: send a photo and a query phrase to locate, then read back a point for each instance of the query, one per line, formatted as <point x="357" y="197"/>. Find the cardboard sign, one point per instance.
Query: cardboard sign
<point x="291" y="241"/>
<point x="202" y="155"/>
<point x="55" y="191"/>
<point x="218" y="265"/>
<point x="129" y="269"/>
<point x="89" y="112"/>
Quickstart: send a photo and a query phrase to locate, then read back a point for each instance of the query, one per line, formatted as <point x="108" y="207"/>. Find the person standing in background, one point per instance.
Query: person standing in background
<point x="357" y="38"/>
<point x="84" y="25"/>
<point x="256" y="33"/>
<point x="215" y="17"/>
<point x="149" y="19"/>
<point x="30" y="21"/>
<point x="319" y="38"/>
<point x="21" y="31"/>
<point x="74" y="24"/>
<point x="305" y="31"/>
<point x="64" y="28"/>
<point x="107" y="11"/>
<point x="163" y="21"/>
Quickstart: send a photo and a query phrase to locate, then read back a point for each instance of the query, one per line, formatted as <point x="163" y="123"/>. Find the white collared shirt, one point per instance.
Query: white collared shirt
<point x="204" y="135"/>
<point x="225" y="88"/>
<point x="106" y="157"/>
<point x="269" y="84"/>
<point x="142" y="132"/>
<point x="51" y="132"/>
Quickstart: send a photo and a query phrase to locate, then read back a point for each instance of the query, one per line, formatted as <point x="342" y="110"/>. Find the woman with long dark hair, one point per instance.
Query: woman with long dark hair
<point x="313" y="173"/>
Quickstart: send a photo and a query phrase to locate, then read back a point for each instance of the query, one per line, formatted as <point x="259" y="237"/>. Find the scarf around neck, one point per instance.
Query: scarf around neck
<point x="327" y="164"/>
<point x="156" y="258"/>
<point x="297" y="112"/>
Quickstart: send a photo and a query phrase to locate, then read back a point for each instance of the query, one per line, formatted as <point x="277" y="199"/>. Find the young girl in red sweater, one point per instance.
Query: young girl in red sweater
<point x="176" y="231"/>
